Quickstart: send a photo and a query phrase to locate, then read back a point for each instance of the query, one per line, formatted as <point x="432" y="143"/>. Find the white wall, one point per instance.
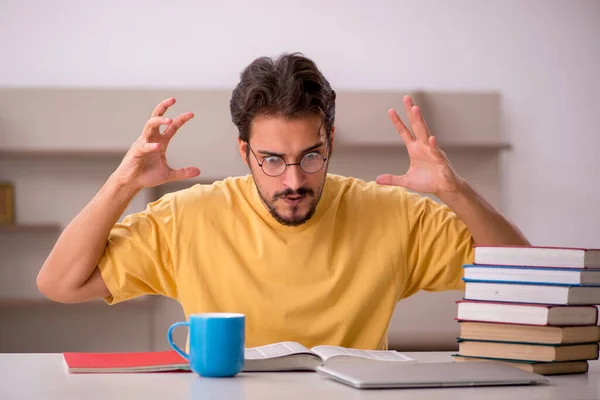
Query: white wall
<point x="544" y="57"/>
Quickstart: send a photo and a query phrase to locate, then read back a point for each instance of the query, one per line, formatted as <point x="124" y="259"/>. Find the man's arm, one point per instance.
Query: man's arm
<point x="430" y="171"/>
<point x="70" y="274"/>
<point x="486" y="224"/>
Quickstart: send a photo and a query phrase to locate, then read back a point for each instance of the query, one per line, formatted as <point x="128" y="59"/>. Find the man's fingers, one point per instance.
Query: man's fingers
<point x="141" y="148"/>
<point x="388" y="179"/>
<point x="183" y="173"/>
<point x="417" y="122"/>
<point x="435" y="149"/>
<point x="401" y="128"/>
<point x="162" y="107"/>
<point x="177" y="123"/>
<point x="153" y="124"/>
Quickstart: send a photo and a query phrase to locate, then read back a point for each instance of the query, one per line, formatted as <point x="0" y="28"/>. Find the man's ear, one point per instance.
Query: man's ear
<point x="331" y="140"/>
<point x="243" y="148"/>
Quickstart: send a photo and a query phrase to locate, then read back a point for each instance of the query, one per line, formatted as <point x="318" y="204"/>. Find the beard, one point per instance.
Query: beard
<point x="296" y="217"/>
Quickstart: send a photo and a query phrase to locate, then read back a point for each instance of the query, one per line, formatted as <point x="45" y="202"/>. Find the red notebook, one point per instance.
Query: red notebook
<point x="154" y="361"/>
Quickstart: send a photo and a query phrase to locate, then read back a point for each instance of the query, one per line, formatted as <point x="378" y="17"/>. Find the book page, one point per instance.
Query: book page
<point x="281" y="349"/>
<point x="327" y="352"/>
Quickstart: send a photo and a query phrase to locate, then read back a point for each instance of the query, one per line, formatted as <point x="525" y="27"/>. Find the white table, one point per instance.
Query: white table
<point x="43" y="376"/>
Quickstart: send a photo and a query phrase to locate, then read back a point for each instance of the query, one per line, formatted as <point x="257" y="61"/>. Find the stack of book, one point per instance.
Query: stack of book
<point x="531" y="307"/>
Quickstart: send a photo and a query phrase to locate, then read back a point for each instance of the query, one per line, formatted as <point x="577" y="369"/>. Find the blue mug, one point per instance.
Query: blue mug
<point x="216" y="343"/>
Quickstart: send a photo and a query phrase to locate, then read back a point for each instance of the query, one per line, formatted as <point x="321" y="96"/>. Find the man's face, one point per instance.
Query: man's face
<point x="291" y="197"/>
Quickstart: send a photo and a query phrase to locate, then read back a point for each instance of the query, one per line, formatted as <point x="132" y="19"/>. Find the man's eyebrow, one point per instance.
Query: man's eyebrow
<point x="271" y="153"/>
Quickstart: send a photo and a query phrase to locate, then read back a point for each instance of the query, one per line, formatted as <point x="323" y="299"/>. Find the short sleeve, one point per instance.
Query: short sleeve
<point x="439" y="244"/>
<point x="137" y="259"/>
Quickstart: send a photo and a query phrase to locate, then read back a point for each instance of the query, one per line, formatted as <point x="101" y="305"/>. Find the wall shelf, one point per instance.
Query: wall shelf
<point x="43" y="301"/>
<point x="114" y="153"/>
<point x="62" y="153"/>
<point x="27" y="302"/>
<point x="483" y="146"/>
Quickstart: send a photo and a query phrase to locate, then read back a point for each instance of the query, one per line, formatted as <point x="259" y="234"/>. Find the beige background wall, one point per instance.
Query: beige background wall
<point x="541" y="56"/>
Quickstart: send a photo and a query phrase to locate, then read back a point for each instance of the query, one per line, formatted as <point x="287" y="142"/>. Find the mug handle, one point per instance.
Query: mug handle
<point x="170" y="338"/>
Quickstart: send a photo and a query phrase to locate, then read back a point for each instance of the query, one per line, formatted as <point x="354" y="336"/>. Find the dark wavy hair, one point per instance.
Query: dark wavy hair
<point x="290" y="86"/>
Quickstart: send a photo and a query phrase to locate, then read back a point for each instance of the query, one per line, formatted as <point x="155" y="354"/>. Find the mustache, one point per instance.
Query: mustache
<point x="289" y="192"/>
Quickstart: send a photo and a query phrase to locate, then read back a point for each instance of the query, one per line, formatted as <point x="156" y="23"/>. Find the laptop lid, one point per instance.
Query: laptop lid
<point x="387" y="374"/>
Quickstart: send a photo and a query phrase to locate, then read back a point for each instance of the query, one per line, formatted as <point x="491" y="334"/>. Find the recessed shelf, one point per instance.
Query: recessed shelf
<point x="61" y="153"/>
<point x="30" y="228"/>
<point x="43" y="301"/>
<point x="160" y="190"/>
<point x="444" y="146"/>
<point x="114" y="153"/>
<point x="11" y="302"/>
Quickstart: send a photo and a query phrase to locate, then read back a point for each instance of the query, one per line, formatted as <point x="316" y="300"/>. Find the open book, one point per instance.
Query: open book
<point x="284" y="356"/>
<point x="292" y="356"/>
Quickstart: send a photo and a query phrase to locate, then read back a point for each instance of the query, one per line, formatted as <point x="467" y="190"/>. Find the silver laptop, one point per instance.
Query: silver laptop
<point x="387" y="374"/>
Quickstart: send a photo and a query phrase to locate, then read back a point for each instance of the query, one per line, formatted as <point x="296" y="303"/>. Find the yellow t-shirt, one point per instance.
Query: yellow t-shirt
<point x="334" y="280"/>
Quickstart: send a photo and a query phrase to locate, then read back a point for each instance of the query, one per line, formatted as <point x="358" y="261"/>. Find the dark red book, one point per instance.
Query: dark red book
<point x="154" y="361"/>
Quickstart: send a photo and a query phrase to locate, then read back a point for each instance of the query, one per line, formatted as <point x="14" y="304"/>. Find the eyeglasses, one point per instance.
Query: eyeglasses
<point x="275" y="165"/>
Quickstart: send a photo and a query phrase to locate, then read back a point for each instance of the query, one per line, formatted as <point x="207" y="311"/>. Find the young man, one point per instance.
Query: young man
<point x="308" y="256"/>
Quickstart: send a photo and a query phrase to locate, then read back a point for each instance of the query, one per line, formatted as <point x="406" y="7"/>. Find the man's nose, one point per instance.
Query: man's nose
<point x="294" y="177"/>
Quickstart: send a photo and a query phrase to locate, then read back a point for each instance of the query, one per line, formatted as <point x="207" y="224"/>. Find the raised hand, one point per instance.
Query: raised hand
<point x="430" y="171"/>
<point x="145" y="164"/>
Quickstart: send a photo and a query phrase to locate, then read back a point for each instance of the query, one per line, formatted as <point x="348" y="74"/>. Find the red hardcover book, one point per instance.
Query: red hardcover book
<point x="155" y="361"/>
